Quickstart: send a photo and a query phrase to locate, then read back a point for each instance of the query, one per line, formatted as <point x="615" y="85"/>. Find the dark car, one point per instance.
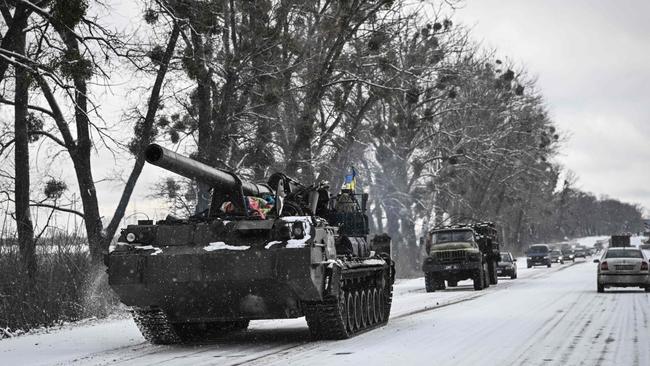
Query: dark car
<point x="556" y="256"/>
<point x="568" y="254"/>
<point x="580" y="252"/>
<point x="507" y="265"/>
<point x="538" y="255"/>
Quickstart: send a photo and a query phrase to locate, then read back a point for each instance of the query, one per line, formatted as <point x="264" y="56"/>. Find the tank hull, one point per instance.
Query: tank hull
<point x="191" y="285"/>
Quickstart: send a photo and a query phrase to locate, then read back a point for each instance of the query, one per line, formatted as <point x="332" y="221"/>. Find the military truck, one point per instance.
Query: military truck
<point x="461" y="252"/>
<point x="261" y="251"/>
<point x="622" y="240"/>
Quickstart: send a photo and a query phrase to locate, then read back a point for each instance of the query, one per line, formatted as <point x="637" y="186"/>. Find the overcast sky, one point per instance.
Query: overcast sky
<point x="592" y="61"/>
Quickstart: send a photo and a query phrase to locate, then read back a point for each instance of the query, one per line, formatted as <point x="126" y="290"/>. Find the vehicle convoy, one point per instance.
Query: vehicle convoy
<point x="623" y="267"/>
<point x="507" y="265"/>
<point x="538" y="255"/>
<point x="460" y="252"/>
<point x="261" y="251"/>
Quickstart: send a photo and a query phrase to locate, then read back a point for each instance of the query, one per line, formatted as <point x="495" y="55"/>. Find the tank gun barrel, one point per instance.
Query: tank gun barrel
<point x="220" y="180"/>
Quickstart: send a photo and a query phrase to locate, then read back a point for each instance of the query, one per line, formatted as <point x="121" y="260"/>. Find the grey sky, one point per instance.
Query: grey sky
<point x="592" y="62"/>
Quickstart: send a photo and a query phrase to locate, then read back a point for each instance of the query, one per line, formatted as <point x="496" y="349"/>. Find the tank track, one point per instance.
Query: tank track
<point x="157" y="329"/>
<point x="155" y="326"/>
<point x="355" y="310"/>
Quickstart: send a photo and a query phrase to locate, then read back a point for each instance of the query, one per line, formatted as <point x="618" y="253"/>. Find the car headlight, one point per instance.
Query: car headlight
<point x="130" y="237"/>
<point x="529" y="258"/>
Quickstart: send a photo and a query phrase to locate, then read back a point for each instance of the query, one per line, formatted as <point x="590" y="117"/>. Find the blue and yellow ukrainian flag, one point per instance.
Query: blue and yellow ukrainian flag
<point x="351" y="180"/>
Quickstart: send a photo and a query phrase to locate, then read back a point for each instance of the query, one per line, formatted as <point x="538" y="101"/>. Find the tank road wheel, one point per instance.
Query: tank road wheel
<point x="380" y="306"/>
<point x="363" y="300"/>
<point x="357" y="311"/>
<point x="372" y="298"/>
<point x="349" y="304"/>
<point x="343" y="308"/>
<point x="429" y="282"/>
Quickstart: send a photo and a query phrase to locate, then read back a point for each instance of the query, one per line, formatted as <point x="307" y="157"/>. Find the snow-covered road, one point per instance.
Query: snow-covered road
<point x="547" y="316"/>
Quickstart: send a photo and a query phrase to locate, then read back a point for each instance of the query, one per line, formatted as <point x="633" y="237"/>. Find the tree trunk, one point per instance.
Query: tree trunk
<point x="206" y="142"/>
<point x="23" y="217"/>
<point x="410" y="250"/>
<point x="13" y="35"/>
<point x="81" y="158"/>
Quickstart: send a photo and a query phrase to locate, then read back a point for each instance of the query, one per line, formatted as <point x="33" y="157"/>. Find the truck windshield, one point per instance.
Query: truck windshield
<point x="625" y="253"/>
<point x="452" y="236"/>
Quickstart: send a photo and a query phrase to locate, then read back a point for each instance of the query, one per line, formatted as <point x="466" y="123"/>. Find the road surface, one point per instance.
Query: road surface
<point x="546" y="317"/>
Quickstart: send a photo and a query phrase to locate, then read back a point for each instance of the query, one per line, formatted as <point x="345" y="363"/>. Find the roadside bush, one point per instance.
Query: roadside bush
<point x="66" y="287"/>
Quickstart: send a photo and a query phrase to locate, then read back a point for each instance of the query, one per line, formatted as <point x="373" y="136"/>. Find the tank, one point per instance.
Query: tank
<point x="273" y="250"/>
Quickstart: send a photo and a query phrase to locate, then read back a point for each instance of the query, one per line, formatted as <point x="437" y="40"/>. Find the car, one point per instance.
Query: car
<point x="580" y="252"/>
<point x="623" y="267"/>
<point x="538" y="255"/>
<point x="568" y="254"/>
<point x="556" y="256"/>
<point x="507" y="265"/>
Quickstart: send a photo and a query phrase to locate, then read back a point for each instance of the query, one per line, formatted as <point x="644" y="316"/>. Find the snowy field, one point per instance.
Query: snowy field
<point x="547" y="316"/>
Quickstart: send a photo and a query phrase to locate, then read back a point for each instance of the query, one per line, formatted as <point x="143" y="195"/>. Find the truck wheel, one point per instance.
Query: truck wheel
<point x="647" y="289"/>
<point x="440" y="284"/>
<point x="486" y="275"/>
<point x="601" y="288"/>
<point x="528" y="265"/>
<point x="513" y="275"/>
<point x="429" y="282"/>
<point x="492" y="271"/>
<point x="548" y="265"/>
<point x="479" y="280"/>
